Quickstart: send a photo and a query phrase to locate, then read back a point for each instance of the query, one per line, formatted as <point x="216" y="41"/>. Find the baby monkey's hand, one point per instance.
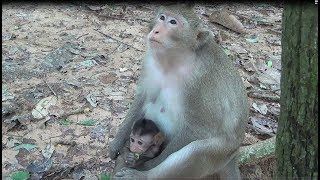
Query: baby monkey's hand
<point x="132" y="159"/>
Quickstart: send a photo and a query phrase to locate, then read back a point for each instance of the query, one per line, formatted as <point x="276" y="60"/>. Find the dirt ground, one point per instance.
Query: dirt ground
<point x="69" y="72"/>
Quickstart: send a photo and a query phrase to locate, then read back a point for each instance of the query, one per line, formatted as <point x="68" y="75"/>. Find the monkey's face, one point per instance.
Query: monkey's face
<point x="140" y="143"/>
<point x="166" y="32"/>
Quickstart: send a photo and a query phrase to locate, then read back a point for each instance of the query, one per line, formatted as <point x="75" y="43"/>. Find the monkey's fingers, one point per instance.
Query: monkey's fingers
<point x="113" y="155"/>
<point x="130" y="156"/>
<point x="133" y="155"/>
<point x="130" y="161"/>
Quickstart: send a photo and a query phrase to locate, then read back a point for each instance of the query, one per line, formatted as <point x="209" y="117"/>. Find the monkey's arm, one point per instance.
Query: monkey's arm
<point x="174" y="145"/>
<point x="135" y="112"/>
<point x="120" y="161"/>
<point x="133" y="162"/>
<point x="208" y="153"/>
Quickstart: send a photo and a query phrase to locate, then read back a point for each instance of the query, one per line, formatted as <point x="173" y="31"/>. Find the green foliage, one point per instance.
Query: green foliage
<point x="26" y="146"/>
<point x="227" y="51"/>
<point x="65" y="122"/>
<point x="253" y="40"/>
<point x="269" y="63"/>
<point x="87" y="122"/>
<point x="104" y="176"/>
<point x="20" y="175"/>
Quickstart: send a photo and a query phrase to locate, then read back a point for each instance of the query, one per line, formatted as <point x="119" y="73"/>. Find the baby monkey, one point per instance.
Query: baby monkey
<point x="144" y="144"/>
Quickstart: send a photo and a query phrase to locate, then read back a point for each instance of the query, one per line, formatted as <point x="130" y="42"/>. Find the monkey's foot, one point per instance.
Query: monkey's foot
<point x="127" y="173"/>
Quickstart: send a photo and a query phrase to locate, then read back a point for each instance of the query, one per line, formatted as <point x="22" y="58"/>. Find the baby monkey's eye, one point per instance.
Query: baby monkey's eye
<point x="139" y="142"/>
<point x="162" y="17"/>
<point x="131" y="139"/>
<point x="173" y="22"/>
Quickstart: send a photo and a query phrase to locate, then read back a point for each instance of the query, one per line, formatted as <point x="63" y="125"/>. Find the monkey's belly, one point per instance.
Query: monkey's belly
<point x="164" y="111"/>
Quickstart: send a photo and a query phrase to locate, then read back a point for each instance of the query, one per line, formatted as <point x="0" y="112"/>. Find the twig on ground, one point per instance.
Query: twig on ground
<point x="256" y="151"/>
<point x="82" y="36"/>
<point x="50" y="88"/>
<point x="269" y="98"/>
<point x="118" y="40"/>
<point x="77" y="111"/>
<point x="275" y="31"/>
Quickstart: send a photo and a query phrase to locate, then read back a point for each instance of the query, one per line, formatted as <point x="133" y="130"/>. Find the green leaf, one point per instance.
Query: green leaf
<point x="20" y="175"/>
<point x="65" y="122"/>
<point x="26" y="146"/>
<point x="269" y="63"/>
<point x="253" y="40"/>
<point x="87" y="122"/>
<point x="105" y="176"/>
<point x="227" y="51"/>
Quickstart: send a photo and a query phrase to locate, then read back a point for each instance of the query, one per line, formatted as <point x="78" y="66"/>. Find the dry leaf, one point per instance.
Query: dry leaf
<point x="261" y="108"/>
<point x="48" y="151"/>
<point x="225" y="19"/>
<point x="108" y="78"/>
<point x="41" y="109"/>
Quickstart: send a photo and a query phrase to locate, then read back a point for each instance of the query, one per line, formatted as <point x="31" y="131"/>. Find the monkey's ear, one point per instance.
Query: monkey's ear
<point x="202" y="37"/>
<point x="158" y="139"/>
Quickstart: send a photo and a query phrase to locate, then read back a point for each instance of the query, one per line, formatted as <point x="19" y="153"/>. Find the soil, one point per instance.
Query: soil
<point x="69" y="74"/>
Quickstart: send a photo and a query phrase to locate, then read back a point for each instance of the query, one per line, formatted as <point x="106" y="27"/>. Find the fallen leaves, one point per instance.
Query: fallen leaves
<point x="228" y="20"/>
<point x="41" y="109"/>
<point x="253" y="40"/>
<point x="20" y="175"/>
<point x="48" y="151"/>
<point x="94" y="79"/>
<point x="87" y="122"/>
<point x="28" y="147"/>
<point x="40" y="167"/>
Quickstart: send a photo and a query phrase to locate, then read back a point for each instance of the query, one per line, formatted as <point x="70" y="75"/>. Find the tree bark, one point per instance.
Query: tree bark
<point x="297" y="136"/>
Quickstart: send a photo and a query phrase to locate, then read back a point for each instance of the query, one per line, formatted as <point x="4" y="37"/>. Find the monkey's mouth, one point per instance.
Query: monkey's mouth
<point x="153" y="41"/>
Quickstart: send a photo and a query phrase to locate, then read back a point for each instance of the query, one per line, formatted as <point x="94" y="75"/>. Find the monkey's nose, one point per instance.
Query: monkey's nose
<point x="156" y="32"/>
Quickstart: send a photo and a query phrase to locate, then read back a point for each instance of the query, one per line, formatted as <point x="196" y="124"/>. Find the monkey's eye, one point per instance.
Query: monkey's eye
<point x="139" y="142"/>
<point x="131" y="139"/>
<point x="162" y="17"/>
<point x="173" y="21"/>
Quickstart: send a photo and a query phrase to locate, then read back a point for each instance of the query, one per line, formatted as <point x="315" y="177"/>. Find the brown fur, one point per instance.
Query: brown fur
<point x="203" y="97"/>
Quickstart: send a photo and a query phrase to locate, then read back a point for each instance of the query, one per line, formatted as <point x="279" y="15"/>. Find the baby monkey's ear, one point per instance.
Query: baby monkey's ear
<point x="158" y="139"/>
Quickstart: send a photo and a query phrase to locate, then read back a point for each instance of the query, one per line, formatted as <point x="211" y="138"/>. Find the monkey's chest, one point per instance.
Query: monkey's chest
<point x="164" y="108"/>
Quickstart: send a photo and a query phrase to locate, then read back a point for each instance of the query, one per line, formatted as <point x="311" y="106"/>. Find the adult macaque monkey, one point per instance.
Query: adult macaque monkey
<point x="145" y="143"/>
<point x="196" y="97"/>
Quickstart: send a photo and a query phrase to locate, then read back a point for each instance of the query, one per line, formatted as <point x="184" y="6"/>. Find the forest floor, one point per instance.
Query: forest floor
<point x="69" y="73"/>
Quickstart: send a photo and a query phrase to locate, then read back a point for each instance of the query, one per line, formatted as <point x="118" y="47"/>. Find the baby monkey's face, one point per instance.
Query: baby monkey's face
<point x="140" y="143"/>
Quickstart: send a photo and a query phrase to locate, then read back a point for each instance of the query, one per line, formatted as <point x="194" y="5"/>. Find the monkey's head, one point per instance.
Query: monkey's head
<point x="144" y="134"/>
<point x="174" y="27"/>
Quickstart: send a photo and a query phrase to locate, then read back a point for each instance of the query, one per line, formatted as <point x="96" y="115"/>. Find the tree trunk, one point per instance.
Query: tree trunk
<point x="297" y="136"/>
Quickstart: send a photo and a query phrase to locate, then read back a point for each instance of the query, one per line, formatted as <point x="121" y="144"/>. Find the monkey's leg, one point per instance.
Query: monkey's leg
<point x="119" y="165"/>
<point x="174" y="145"/>
<point x="198" y="159"/>
<point x="230" y="171"/>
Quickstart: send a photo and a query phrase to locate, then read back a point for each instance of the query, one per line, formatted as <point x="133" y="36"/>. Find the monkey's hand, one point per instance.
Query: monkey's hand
<point x="113" y="150"/>
<point x="131" y="159"/>
<point x="128" y="173"/>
